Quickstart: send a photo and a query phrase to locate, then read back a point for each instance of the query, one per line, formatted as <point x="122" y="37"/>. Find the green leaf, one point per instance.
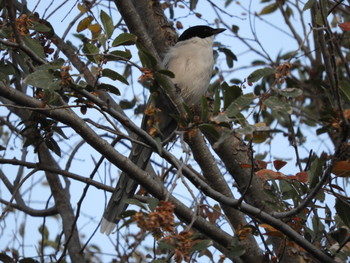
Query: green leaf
<point x="290" y="92"/>
<point x="168" y="73"/>
<point x="28" y="260"/>
<point x="124" y="39"/>
<point x="339" y="235"/>
<point x="109" y="88"/>
<point x="239" y="104"/>
<point x="128" y="213"/>
<point x="230" y="93"/>
<point x="235" y="29"/>
<point x="236" y="249"/>
<point x="308" y="4"/>
<point x="34" y="45"/>
<point x="136" y="202"/>
<point x="107" y="23"/>
<point x="315" y="172"/>
<point x="230" y="57"/>
<point x="289" y="12"/>
<point x="43" y="230"/>
<point x="5" y="258"/>
<point x="319" y="18"/>
<point x="118" y="55"/>
<point x="260" y="73"/>
<point x="222" y="118"/>
<point x="53" y="146"/>
<point x="247" y="129"/>
<point x="180" y="120"/>
<point x="228" y="2"/>
<point x="152" y="203"/>
<point x="317" y="226"/>
<point x="114" y="75"/>
<point x="269" y="9"/>
<point x="43" y="79"/>
<point x="345" y="88"/>
<point x="343" y="210"/>
<point x="159" y="144"/>
<point x="217" y="103"/>
<point x="201" y="245"/>
<point x="163" y="245"/>
<point x="278" y="106"/>
<point x="162" y="81"/>
<point x="128" y="104"/>
<point x="146" y="58"/>
<point x="30" y="141"/>
<point x="39" y="27"/>
<point x="56" y="64"/>
<point x="193" y="4"/>
<point x="209" y="129"/>
<point x="258" y="62"/>
<point x="60" y="132"/>
<point x="205" y="109"/>
<point x="91" y="52"/>
<point x="22" y="59"/>
<point x="6" y="69"/>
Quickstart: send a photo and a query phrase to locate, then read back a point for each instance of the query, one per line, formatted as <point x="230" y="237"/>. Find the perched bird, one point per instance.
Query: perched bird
<point x="191" y="60"/>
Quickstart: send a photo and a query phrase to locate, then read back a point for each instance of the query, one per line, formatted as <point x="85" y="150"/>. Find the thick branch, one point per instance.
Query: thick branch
<point x="63" y="205"/>
<point x="68" y="117"/>
<point x="216" y="180"/>
<point x="52" y="169"/>
<point x="31" y="211"/>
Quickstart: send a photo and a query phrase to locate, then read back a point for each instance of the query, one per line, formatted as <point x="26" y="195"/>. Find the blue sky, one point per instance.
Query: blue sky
<point x="273" y="40"/>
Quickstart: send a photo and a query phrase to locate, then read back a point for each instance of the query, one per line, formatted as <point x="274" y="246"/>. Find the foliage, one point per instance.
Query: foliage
<point x="228" y="197"/>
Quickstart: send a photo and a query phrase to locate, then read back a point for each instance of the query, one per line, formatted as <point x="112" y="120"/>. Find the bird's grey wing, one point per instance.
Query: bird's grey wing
<point x="140" y="156"/>
<point x="124" y="189"/>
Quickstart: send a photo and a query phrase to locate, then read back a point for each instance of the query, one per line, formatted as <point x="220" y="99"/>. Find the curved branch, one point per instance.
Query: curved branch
<point x="308" y="199"/>
<point x="31" y="211"/>
<point x="146" y="180"/>
<point x="62" y="201"/>
<point x="216" y="180"/>
<point x="68" y="117"/>
<point x="48" y="168"/>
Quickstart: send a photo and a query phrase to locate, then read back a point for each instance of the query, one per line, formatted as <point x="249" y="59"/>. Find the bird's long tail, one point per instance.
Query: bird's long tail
<point x="140" y="156"/>
<point x="125" y="189"/>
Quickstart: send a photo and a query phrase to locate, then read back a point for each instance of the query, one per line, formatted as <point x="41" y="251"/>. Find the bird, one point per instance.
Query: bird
<point x="191" y="60"/>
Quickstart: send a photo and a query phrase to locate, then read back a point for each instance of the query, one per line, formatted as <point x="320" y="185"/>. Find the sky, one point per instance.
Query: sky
<point x="272" y="39"/>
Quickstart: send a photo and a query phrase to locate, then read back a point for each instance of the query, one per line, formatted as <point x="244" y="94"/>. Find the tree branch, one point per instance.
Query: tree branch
<point x="53" y="169"/>
<point x="216" y="180"/>
<point x="68" y="117"/>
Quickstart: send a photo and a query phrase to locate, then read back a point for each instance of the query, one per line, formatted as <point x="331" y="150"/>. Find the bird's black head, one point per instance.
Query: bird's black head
<point x="199" y="31"/>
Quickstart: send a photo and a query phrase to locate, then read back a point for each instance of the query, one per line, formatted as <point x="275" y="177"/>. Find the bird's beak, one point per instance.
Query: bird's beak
<point x="218" y="30"/>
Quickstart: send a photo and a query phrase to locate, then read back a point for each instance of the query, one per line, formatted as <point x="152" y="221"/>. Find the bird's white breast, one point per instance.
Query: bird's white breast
<point x="192" y="63"/>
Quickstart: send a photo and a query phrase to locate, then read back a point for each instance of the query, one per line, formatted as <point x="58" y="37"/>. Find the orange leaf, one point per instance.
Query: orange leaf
<point x="301" y="177"/>
<point x="246" y="165"/>
<point x="82" y="8"/>
<point x="278" y="164"/>
<point x="271" y="231"/>
<point x="341" y="168"/>
<point x="212" y="216"/>
<point x="262" y="164"/>
<point x="345" y="26"/>
<point x="95" y="28"/>
<point x="268" y="174"/>
<point x="243" y="232"/>
<point x="83" y="24"/>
